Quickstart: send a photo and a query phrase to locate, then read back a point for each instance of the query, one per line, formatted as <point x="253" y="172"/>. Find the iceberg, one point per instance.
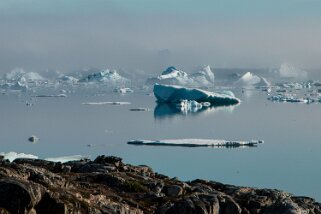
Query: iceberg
<point x="123" y="90"/>
<point x="19" y="74"/>
<point x="173" y="76"/>
<point x="196" y="143"/>
<point x="68" y="79"/>
<point x="249" y="79"/>
<point x="289" y="71"/>
<point x="106" y="76"/>
<point x="204" y="77"/>
<point x="290" y="98"/>
<point x="11" y="156"/>
<point x="139" y="109"/>
<point x="175" y="94"/>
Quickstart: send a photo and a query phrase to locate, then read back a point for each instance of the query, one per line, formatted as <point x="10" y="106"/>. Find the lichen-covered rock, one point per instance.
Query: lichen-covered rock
<point x="107" y="185"/>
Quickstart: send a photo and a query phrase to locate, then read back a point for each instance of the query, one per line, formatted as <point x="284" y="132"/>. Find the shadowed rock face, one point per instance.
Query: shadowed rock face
<point x="107" y="185"/>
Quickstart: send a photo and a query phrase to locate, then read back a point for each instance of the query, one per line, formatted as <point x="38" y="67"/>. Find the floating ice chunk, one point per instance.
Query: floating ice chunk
<point x="33" y="139"/>
<point x="196" y="143"/>
<point x="106" y="76"/>
<point x="293" y="85"/>
<point x="290" y="98"/>
<point x="289" y="71"/>
<point x="18" y="74"/>
<point x="64" y="159"/>
<point x="51" y="95"/>
<point x="14" y="155"/>
<point x="123" y="90"/>
<point x="173" y="76"/>
<point x="249" y="79"/>
<point x="107" y="103"/>
<point x="174" y="94"/>
<point x="139" y="109"/>
<point x="18" y="86"/>
<point x="68" y="79"/>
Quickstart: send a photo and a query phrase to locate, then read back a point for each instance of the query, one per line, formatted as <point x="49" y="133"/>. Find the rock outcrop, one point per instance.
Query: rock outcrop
<point x="107" y="185"/>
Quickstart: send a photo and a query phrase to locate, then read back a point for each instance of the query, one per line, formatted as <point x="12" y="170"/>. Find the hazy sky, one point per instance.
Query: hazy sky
<point x="151" y="34"/>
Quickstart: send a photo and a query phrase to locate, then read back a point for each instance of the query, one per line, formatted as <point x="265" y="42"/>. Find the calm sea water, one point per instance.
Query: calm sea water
<point x="289" y="159"/>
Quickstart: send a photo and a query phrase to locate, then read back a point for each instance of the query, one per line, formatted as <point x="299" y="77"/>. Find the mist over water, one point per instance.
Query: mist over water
<point x="40" y="35"/>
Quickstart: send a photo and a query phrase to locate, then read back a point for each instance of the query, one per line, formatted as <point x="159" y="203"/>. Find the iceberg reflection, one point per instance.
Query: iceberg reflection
<point x="171" y="110"/>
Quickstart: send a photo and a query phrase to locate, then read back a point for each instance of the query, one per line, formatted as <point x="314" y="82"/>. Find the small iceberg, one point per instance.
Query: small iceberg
<point x="249" y="79"/>
<point x="197" y="143"/>
<point x="18" y="74"/>
<point x="289" y="71"/>
<point x="123" y="90"/>
<point x="204" y="77"/>
<point x="106" y="76"/>
<point x="33" y="139"/>
<point x="18" y="86"/>
<point x="175" y="94"/>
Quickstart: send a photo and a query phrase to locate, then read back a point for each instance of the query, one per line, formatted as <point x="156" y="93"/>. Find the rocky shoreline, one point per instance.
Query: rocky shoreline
<point x="107" y="185"/>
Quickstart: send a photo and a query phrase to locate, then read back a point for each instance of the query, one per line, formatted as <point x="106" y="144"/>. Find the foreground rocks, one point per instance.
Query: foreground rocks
<point x="107" y="185"/>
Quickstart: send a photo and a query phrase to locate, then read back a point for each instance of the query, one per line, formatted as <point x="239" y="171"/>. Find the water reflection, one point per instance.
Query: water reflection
<point x="164" y="111"/>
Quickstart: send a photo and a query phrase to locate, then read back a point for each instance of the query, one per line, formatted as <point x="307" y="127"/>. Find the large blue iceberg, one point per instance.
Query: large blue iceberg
<point x="175" y="94"/>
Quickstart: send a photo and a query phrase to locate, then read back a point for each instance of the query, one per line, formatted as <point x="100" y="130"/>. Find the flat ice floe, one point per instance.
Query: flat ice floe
<point x="196" y="143"/>
<point x="175" y="94"/>
<point x="50" y="95"/>
<point x="289" y="71"/>
<point x="107" y="103"/>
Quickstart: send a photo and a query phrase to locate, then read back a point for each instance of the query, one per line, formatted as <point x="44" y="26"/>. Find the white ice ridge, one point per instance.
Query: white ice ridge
<point x="249" y="79"/>
<point x="175" y="94"/>
<point x="11" y="156"/>
<point x="196" y="143"/>
<point x="64" y="159"/>
<point x="107" y="103"/>
<point x="174" y="76"/>
<point x="14" y="155"/>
